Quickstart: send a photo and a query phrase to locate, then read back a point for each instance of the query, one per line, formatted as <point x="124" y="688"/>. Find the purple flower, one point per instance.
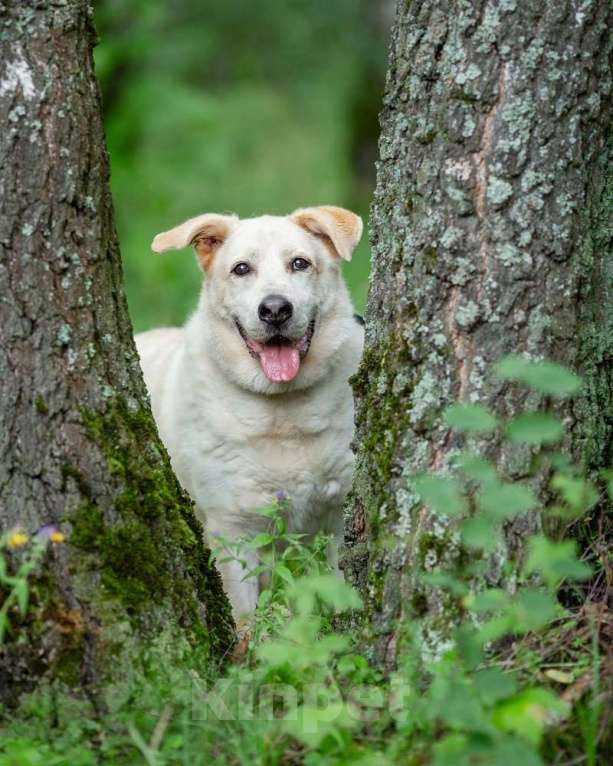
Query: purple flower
<point x="50" y="533"/>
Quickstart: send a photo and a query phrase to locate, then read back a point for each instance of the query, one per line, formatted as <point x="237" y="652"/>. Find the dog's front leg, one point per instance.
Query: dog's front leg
<point x="234" y="563"/>
<point x="243" y="593"/>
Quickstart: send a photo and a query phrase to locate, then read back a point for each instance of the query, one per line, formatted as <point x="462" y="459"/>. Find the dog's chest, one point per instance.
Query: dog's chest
<point x="307" y="456"/>
<point x="300" y="448"/>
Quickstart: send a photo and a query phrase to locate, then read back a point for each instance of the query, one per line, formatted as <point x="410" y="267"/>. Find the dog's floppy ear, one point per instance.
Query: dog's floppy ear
<point x="205" y="232"/>
<point x="341" y="228"/>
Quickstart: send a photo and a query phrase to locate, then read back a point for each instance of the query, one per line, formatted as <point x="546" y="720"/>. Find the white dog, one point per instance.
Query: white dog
<point x="251" y="396"/>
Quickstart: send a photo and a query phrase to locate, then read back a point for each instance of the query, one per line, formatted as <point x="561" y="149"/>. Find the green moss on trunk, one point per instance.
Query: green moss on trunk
<point x="149" y="544"/>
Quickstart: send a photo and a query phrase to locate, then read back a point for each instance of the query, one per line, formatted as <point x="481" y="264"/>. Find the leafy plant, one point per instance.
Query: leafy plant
<point x="303" y="691"/>
<point x="16" y="585"/>
<point x="487" y="718"/>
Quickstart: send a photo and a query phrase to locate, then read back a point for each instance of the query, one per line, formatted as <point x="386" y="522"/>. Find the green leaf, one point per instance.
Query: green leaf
<point x="356" y="668"/>
<point x="546" y="377"/>
<point x="329" y="589"/>
<point x="535" y="428"/>
<point x="579" y="493"/>
<point x="533" y="609"/>
<point x="346" y="664"/>
<point x="491" y="600"/>
<point x="472" y="418"/>
<point x="527" y="714"/>
<point x="284" y="573"/>
<point x="555" y="561"/>
<point x="469" y="750"/>
<point x="468" y="645"/>
<point x="476" y="468"/>
<point x="455" y="702"/>
<point x="274" y="653"/>
<point x="316" y="721"/>
<point x="505" y="501"/>
<point x="561" y="512"/>
<point x="269" y="511"/>
<point x="496" y="628"/>
<point x="527" y="610"/>
<point x="560" y="462"/>
<point x="259" y="541"/>
<point x="280" y="525"/>
<point x="22" y="594"/>
<point x="457" y="750"/>
<point x="479" y="533"/>
<point x="494" y="685"/>
<point x="443" y="495"/>
<point x="255" y="572"/>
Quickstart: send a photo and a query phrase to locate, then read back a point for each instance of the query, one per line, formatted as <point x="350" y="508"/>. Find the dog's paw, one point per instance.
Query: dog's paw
<point x="244" y="632"/>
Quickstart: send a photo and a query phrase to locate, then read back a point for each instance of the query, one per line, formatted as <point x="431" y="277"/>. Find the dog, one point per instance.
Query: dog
<point x="251" y="397"/>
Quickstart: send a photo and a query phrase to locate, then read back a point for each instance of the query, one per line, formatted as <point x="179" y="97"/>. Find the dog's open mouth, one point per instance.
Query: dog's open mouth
<point x="279" y="357"/>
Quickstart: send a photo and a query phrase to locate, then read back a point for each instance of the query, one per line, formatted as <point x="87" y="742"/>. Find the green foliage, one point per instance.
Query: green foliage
<point x="526" y="713"/>
<point x="535" y="428"/>
<point x="555" y="561"/>
<point x="472" y="418"/>
<point x="505" y="501"/>
<point x="442" y="494"/>
<point x="301" y="691"/>
<point x="577" y="493"/>
<point x="546" y="377"/>
<point x="23" y="555"/>
<point x="478" y="501"/>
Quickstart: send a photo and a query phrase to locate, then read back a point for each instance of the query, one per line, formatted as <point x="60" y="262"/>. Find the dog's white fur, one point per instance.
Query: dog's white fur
<point x="234" y="437"/>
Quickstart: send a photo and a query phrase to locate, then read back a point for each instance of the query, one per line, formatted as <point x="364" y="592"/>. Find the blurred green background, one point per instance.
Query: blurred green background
<point x="235" y="105"/>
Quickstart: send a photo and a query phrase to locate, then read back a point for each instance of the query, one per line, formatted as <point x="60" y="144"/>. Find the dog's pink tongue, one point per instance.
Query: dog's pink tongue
<point x="280" y="363"/>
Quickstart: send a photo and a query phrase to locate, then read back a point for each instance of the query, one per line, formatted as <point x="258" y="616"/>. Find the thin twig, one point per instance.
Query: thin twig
<point x="160" y="728"/>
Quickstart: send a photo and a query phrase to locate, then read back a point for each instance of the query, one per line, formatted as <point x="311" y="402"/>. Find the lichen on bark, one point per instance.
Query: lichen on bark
<point x="489" y="236"/>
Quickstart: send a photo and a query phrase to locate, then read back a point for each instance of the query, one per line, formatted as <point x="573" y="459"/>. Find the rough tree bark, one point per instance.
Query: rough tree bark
<point x="78" y="445"/>
<point x="491" y="235"/>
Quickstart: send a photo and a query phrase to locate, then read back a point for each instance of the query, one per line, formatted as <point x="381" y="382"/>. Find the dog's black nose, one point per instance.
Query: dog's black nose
<point x="275" y="310"/>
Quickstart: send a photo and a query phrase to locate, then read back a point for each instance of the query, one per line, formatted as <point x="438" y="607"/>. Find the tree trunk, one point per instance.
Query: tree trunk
<point x="78" y="445"/>
<point x="490" y="232"/>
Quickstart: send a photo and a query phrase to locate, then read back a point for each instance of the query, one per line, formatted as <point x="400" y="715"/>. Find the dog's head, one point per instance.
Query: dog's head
<point x="272" y="282"/>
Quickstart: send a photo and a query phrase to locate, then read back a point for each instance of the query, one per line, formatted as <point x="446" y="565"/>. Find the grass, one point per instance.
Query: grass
<point x="525" y="678"/>
<point x="297" y="690"/>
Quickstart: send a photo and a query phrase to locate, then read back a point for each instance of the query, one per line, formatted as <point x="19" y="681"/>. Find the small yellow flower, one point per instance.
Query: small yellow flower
<point x="57" y="537"/>
<point x="17" y="539"/>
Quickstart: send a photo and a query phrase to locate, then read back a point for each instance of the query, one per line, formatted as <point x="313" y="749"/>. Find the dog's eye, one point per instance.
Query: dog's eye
<point x="241" y="269"/>
<point x="300" y="264"/>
